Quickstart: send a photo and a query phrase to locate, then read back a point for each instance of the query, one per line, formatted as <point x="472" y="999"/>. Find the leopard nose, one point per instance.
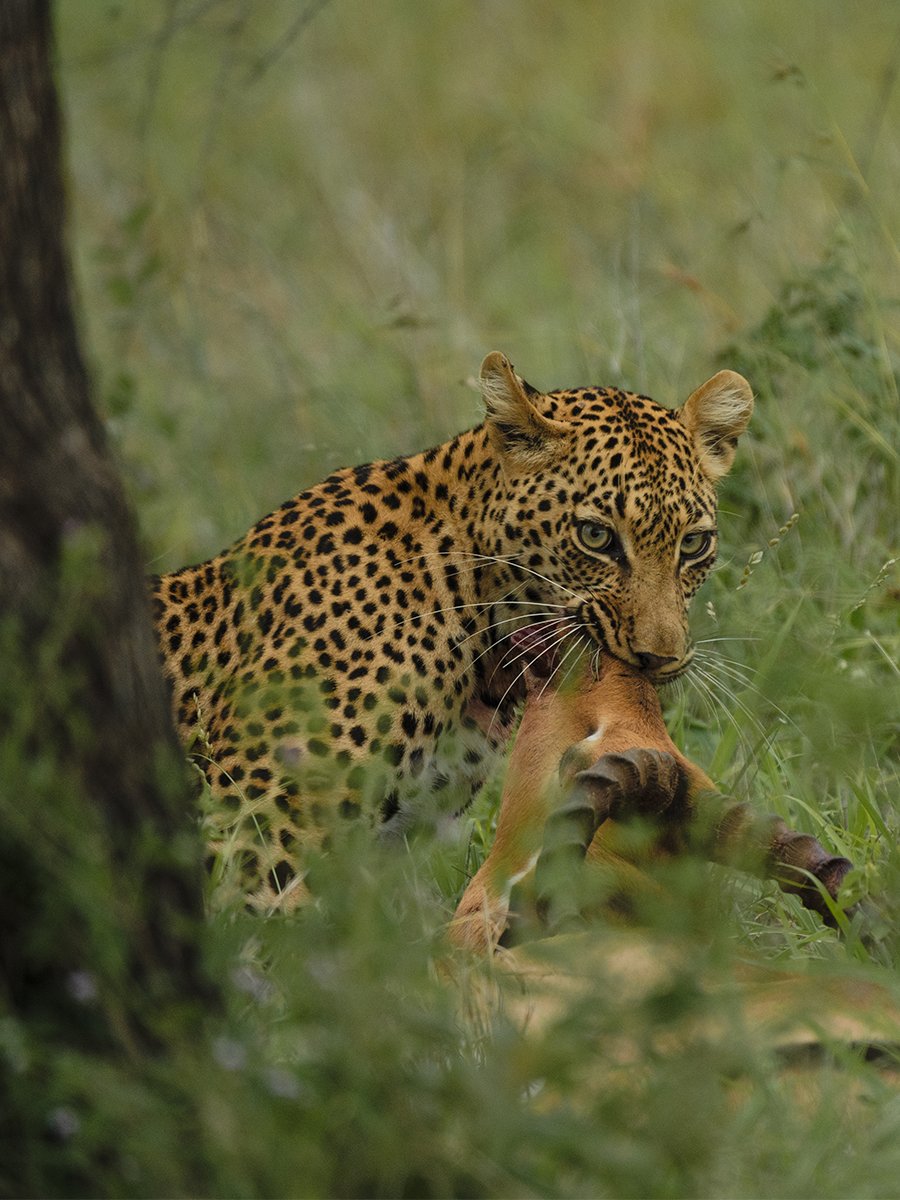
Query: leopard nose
<point x="654" y="662"/>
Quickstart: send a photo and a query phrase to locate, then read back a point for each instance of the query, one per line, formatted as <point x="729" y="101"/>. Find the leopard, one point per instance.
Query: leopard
<point x="352" y="657"/>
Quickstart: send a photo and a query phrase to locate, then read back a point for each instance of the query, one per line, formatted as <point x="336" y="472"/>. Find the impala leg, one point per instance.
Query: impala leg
<point x="638" y="782"/>
<point x="783" y="854"/>
<point x="654" y="783"/>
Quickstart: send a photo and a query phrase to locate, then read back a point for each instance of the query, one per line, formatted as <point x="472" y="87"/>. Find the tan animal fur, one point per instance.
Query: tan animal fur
<point x="592" y="753"/>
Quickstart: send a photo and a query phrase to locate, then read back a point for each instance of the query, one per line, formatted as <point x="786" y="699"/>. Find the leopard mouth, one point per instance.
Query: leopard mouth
<point x="660" y="676"/>
<point x="544" y="651"/>
<point x="657" y="674"/>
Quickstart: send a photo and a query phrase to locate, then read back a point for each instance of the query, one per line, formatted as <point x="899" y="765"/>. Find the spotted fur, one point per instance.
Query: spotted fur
<point x="350" y="655"/>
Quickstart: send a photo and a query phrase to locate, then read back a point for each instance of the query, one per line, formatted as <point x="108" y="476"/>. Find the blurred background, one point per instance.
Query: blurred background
<point x="300" y="226"/>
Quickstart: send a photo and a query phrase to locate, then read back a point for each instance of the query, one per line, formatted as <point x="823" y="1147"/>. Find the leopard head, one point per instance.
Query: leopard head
<point x="607" y="514"/>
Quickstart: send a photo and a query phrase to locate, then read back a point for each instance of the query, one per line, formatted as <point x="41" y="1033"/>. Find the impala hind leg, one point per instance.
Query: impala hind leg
<point x="637" y="782"/>
<point x="796" y="861"/>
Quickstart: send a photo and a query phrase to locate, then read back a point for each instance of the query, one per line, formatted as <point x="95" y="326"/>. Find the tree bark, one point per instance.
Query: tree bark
<point x="83" y="710"/>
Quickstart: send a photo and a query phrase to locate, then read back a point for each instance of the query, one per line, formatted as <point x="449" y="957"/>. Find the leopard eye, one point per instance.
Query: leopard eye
<point x="695" y="544"/>
<point x="596" y="537"/>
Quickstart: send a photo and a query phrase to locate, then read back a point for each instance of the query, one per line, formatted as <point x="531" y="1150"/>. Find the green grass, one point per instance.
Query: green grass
<point x="293" y="253"/>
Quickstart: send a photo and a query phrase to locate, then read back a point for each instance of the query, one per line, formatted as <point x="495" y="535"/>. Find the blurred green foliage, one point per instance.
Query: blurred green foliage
<point x="281" y="220"/>
<point x="297" y="229"/>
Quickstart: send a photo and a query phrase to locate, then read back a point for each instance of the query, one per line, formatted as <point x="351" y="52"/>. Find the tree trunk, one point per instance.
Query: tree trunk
<point x="100" y="879"/>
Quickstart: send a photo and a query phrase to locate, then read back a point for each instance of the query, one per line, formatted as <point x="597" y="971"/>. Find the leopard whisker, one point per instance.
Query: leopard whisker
<point x="542" y="618"/>
<point x="708" y="641"/>
<point x="725" y="691"/>
<point x="550" y="619"/>
<point x="507" y="562"/>
<point x="585" y="643"/>
<point x="717" y="657"/>
<point x="460" y="554"/>
<point x="765" y="739"/>
<point x="544" y="648"/>
<point x="595" y="662"/>
<point x="727" y="666"/>
<point x="735" y="672"/>
<point x="712" y="703"/>
<point x="578" y="645"/>
<point x="507" y="661"/>
<point x="572" y="627"/>
<point x="479" y="604"/>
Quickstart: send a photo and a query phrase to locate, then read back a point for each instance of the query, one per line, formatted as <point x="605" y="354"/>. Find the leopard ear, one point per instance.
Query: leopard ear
<point x="521" y="436"/>
<point x="716" y="415"/>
